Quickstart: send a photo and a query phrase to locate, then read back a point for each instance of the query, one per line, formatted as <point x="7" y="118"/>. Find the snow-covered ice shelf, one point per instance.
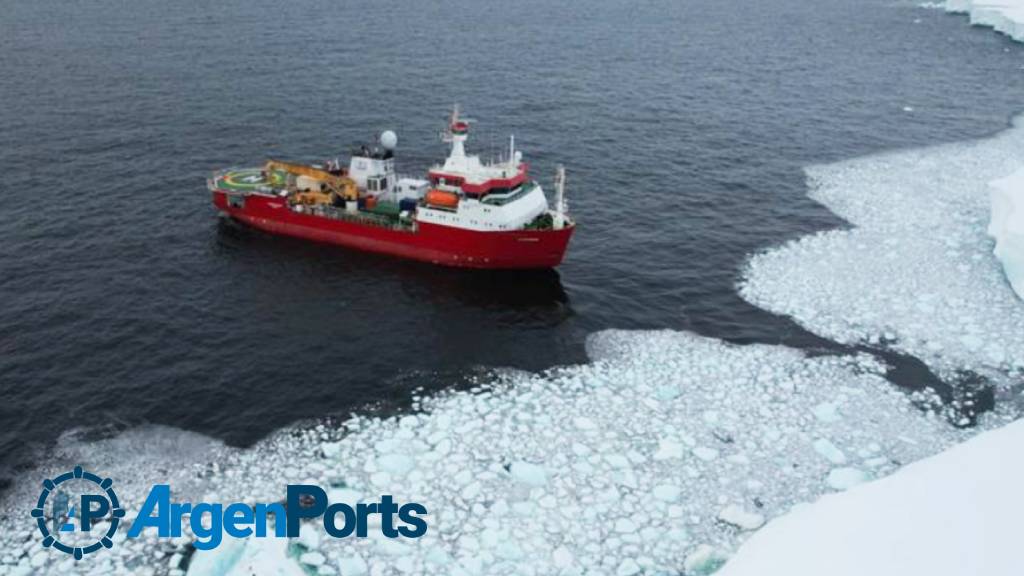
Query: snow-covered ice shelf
<point x="1006" y="16"/>
<point x="663" y="454"/>
<point x="916" y="270"/>
<point x="1007" y="226"/>
<point x="949" y="515"/>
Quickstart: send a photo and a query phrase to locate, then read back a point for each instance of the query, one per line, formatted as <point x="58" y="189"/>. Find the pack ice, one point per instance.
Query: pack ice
<point x="1006" y="16"/>
<point x="913" y="522"/>
<point x="659" y="457"/>
<point x="916" y="269"/>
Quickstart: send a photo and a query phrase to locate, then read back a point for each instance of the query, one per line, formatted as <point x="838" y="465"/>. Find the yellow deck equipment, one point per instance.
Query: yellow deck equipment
<point x="342" y="186"/>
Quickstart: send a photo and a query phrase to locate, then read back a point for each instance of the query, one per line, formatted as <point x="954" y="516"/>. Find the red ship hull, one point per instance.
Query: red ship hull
<point x="432" y="243"/>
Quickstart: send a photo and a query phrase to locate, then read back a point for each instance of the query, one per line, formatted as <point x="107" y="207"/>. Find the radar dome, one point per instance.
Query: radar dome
<point x="388" y="139"/>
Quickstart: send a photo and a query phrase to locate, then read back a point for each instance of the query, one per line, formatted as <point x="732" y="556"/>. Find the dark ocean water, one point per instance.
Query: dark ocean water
<point x="684" y="125"/>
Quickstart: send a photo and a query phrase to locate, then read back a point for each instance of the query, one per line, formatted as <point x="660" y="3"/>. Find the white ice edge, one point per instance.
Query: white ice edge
<point x="1007" y="226"/>
<point x="1005" y="16"/>
<point x="952" y="514"/>
<point x="916" y="269"/>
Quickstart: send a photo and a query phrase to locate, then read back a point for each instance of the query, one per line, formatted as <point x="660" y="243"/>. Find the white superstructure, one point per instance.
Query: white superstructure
<point x="468" y="193"/>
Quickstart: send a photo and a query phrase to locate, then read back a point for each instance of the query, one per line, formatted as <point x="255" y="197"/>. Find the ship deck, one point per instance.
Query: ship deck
<point x="253" y="180"/>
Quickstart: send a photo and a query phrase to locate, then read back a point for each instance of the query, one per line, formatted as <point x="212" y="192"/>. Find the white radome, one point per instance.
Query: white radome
<point x="388" y="139"/>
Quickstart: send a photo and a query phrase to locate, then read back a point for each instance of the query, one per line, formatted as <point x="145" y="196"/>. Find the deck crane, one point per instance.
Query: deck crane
<point x="337" y="185"/>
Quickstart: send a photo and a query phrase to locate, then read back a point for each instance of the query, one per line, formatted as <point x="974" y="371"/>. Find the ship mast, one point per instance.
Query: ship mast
<point x="456" y="133"/>
<point x="558" y="220"/>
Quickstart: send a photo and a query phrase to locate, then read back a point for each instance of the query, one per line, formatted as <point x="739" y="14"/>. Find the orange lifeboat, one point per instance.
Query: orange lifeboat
<point x="442" y="199"/>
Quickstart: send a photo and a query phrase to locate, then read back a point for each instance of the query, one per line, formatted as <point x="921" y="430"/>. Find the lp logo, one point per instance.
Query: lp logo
<point x="83" y="497"/>
<point x="62" y="513"/>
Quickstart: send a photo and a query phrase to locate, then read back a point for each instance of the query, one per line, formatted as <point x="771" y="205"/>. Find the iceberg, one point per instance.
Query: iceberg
<point x="1006" y="16"/>
<point x="1007" y="226"/>
<point x="952" y="514"/>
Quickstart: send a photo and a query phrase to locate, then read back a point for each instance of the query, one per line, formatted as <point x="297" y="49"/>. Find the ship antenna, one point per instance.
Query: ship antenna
<point x="455" y="118"/>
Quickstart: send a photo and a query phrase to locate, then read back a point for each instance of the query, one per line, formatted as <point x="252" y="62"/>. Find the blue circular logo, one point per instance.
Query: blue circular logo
<point x="78" y="512"/>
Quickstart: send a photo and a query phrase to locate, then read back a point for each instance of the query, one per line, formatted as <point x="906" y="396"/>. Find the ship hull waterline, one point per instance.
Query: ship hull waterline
<point x="443" y="245"/>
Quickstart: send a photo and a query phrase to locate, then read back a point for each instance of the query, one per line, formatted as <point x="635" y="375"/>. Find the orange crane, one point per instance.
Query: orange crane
<point x="342" y="186"/>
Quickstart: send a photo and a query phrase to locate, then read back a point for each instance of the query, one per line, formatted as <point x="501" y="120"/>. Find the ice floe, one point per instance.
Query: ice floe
<point x="1006" y="16"/>
<point x="953" y="514"/>
<point x="916" y="270"/>
<point x="1007" y="226"/>
<point x="661" y="455"/>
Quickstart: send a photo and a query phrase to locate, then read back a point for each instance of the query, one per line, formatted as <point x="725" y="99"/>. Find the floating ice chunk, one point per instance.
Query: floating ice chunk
<point x="846" y="478"/>
<point x="390" y="547"/>
<point x="735" y="515"/>
<point x="877" y="462"/>
<point x="667" y="492"/>
<point x="309" y="539"/>
<point x="668" y="449"/>
<point x="829" y="451"/>
<point x="628" y="567"/>
<point x="678" y="535"/>
<point x="344" y="496"/>
<point x="625" y="526"/>
<point x="704" y="453"/>
<point x="827" y="412"/>
<point x="617" y="460"/>
<point x="353" y="566"/>
<point x="234" y="557"/>
<point x="438" y="556"/>
<point x="39" y="559"/>
<point x="471" y="491"/>
<point x="562" y="558"/>
<point x="528" y="473"/>
<point x="703" y="560"/>
<point x="508" y="549"/>
<point x="584" y="423"/>
<point x="1007" y="226"/>
<point x="666" y="392"/>
<point x="313" y="559"/>
<point x="331" y="449"/>
<point x="1006" y="16"/>
<point x="396" y="464"/>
